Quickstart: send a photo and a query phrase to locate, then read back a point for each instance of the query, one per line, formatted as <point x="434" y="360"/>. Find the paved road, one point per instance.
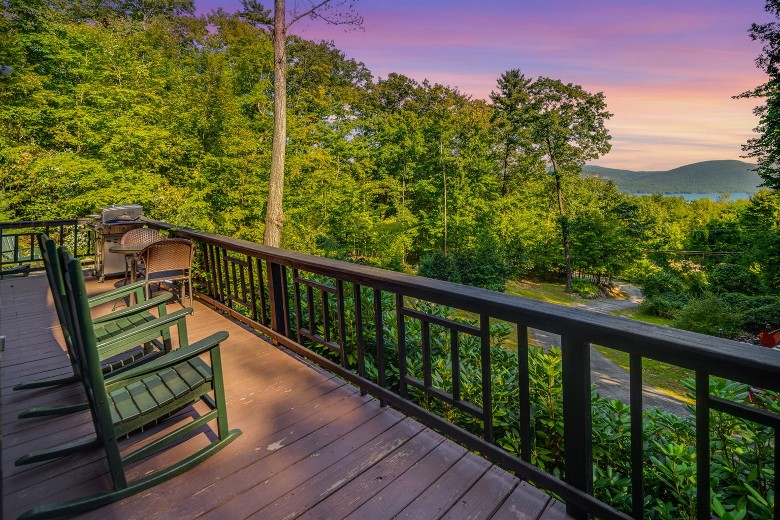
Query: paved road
<point x="611" y="380"/>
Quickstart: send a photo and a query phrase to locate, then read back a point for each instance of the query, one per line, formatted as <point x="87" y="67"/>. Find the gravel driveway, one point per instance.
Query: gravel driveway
<point x="612" y="381"/>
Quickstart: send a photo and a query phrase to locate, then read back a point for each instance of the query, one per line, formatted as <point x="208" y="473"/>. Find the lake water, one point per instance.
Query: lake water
<point x="696" y="196"/>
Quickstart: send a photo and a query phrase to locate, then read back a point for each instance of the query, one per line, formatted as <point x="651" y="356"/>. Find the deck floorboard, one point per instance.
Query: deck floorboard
<point x="312" y="446"/>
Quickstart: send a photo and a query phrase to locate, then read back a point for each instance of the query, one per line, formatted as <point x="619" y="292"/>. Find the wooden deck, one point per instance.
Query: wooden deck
<point x="312" y="446"/>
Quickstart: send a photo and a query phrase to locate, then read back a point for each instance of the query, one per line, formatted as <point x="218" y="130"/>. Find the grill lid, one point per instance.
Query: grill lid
<point x="119" y="214"/>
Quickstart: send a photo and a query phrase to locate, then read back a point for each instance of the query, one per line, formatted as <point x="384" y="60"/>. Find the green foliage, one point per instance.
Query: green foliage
<point x="481" y="266"/>
<point x="732" y="278"/>
<point x="585" y="288"/>
<point x="665" y="305"/>
<point x="755" y="319"/>
<point x="660" y="283"/>
<point x="764" y="148"/>
<point x="439" y="266"/>
<point x="707" y="314"/>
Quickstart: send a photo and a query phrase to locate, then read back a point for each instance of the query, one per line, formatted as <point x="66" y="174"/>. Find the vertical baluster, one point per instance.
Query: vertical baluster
<point x="702" y="445"/>
<point x="220" y="281"/>
<point x="425" y="331"/>
<point x="261" y="286"/>
<point x="75" y="241"/>
<point x="232" y="268"/>
<point x="360" y="342"/>
<point x="487" y="383"/>
<point x="298" y="307"/>
<point x="202" y="266"/>
<point x="325" y="316"/>
<point x="286" y="302"/>
<point x="310" y="307"/>
<point x="276" y="296"/>
<point x="341" y="321"/>
<point x="777" y="473"/>
<point x="380" y="341"/>
<point x="250" y="266"/>
<point x="524" y="389"/>
<point x="252" y="290"/>
<point x="637" y="454"/>
<point x="244" y="292"/>
<point x="401" y="328"/>
<point x="227" y="286"/>
<point x="455" y="350"/>
<point x="211" y="279"/>
<point x="577" y="425"/>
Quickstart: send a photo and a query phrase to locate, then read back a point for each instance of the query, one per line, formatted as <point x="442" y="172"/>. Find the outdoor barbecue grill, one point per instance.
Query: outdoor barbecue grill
<point x="110" y="224"/>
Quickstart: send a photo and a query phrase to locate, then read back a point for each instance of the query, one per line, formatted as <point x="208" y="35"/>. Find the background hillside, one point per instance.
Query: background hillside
<point x="702" y="177"/>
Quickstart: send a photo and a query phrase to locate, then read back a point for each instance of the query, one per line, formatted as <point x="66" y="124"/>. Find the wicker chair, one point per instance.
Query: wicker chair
<point x="169" y="261"/>
<point x="137" y="236"/>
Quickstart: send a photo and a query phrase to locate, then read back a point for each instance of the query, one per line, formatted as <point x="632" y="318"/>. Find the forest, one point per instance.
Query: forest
<point x="157" y="106"/>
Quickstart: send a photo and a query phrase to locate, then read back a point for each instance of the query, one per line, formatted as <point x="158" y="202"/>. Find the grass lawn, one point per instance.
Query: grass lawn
<point x="546" y="292"/>
<point x="664" y="378"/>
<point x="636" y="314"/>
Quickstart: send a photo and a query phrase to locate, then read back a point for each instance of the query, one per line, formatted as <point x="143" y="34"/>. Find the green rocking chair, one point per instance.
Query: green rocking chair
<point x="106" y="327"/>
<point x="140" y="396"/>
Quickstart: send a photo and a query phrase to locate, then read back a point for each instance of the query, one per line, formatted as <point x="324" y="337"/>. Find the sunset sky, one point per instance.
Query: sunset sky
<point x="668" y="68"/>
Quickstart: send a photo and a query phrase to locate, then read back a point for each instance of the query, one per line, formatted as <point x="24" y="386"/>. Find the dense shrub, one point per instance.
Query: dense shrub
<point x="742" y="303"/>
<point x="440" y="267"/>
<point x="664" y="305"/>
<point x="661" y="283"/>
<point x="707" y="315"/>
<point x="585" y="288"/>
<point x="756" y="319"/>
<point x="481" y="266"/>
<point x="733" y="278"/>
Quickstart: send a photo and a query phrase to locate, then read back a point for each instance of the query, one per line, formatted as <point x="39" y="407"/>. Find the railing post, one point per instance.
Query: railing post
<point x="577" y="425"/>
<point x="702" y="445"/>
<point x="487" y="380"/>
<point x="524" y="387"/>
<point x="637" y="448"/>
<point x="276" y="295"/>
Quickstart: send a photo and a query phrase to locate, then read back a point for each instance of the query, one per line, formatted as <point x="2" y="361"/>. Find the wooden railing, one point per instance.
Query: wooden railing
<point x="329" y="312"/>
<point x="19" y="247"/>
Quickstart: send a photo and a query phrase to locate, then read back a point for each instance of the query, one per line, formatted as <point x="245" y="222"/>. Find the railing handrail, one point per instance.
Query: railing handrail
<point x="750" y="364"/>
<point x="22" y="224"/>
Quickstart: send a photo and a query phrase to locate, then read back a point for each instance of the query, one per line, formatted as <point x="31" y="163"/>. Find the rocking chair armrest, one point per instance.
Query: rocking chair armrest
<point x="134" y="309"/>
<point x="121" y="292"/>
<point x="170" y="359"/>
<point x="144" y="332"/>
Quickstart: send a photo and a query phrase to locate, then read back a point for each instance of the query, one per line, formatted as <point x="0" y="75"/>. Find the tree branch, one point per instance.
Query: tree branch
<point x="312" y="10"/>
<point x="348" y="18"/>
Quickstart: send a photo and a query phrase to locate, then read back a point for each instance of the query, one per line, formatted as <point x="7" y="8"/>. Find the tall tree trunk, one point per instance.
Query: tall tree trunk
<point x="505" y="178"/>
<point x="444" y="186"/>
<point x="274" y="216"/>
<point x="564" y="223"/>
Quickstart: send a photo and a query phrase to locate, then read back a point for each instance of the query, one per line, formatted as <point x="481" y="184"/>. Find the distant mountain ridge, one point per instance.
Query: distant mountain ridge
<point x="727" y="176"/>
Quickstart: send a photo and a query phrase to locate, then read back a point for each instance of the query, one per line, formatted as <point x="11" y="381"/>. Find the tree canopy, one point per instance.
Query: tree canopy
<point x="152" y="104"/>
